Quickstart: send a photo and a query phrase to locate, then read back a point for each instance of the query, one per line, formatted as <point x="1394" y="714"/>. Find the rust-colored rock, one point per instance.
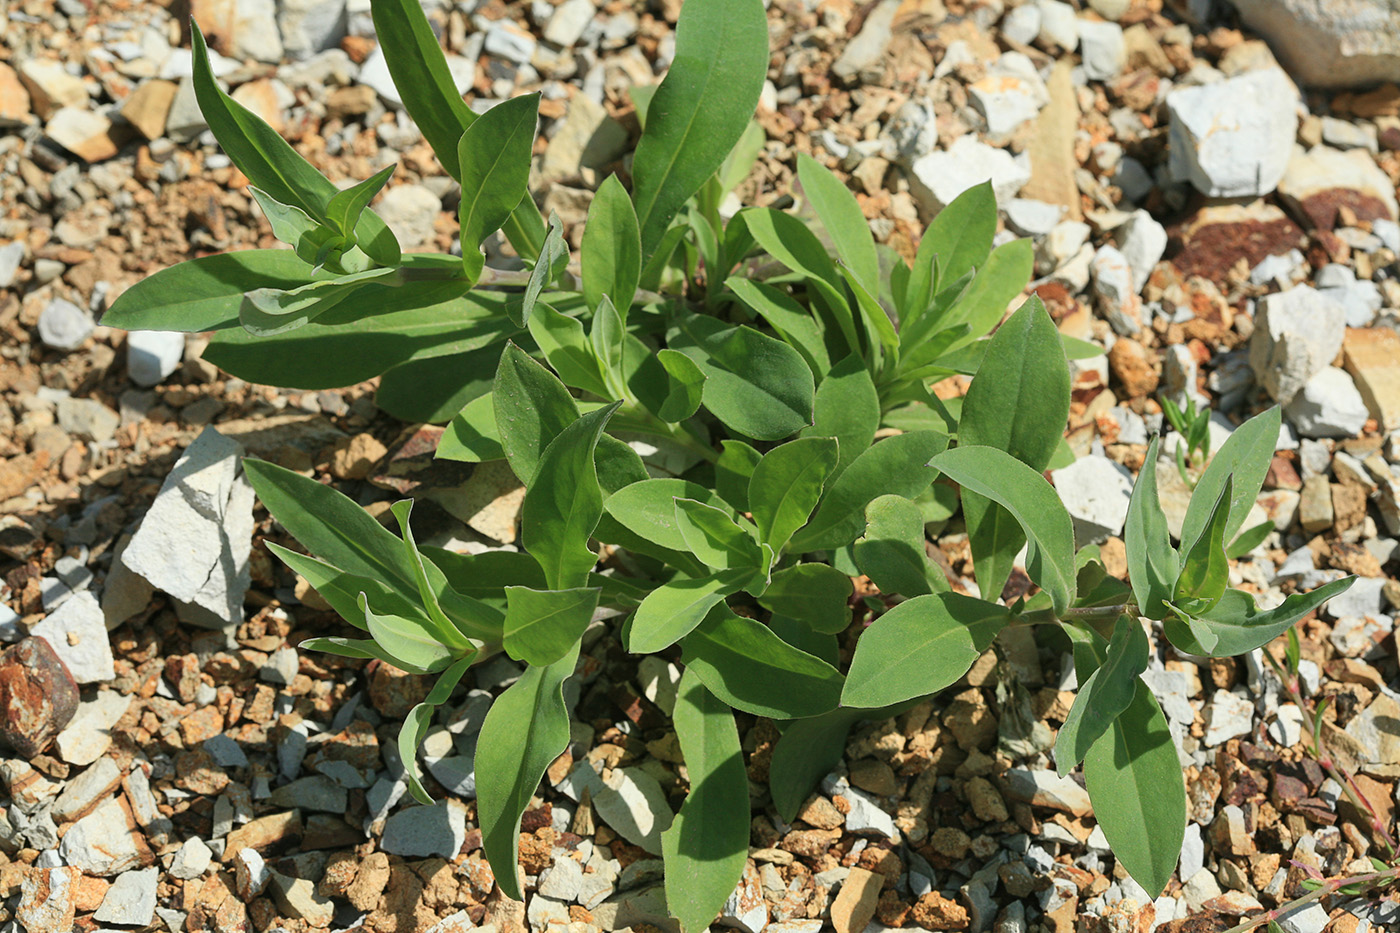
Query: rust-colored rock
<point x="1134" y="367"/>
<point x="1217" y="237"/>
<point x="38" y="696"/>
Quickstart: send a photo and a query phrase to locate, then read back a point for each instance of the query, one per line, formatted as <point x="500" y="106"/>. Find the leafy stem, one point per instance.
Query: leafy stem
<point x="1327" y="887"/>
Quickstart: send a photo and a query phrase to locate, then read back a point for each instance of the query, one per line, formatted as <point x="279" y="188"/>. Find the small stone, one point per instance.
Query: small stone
<point x="251" y="874"/>
<point x="282" y="666"/>
<point x="38" y="696"/>
<point x="1315" y="505"/>
<point x="14" y="100"/>
<point x="423" y="832"/>
<point x="11" y="255"/>
<point x="298" y="898"/>
<point x="1142" y="241"/>
<point x="88" y="736"/>
<point x="148" y="107"/>
<point x="195" y="540"/>
<point x="77" y="632"/>
<point x="569" y="20"/>
<point x="193" y="859"/>
<point x="310" y="26"/>
<point x="356" y="457"/>
<point x="131" y="900"/>
<point x="867" y="48"/>
<point x="508" y="41"/>
<point x="63" y="325"/>
<point x="1227" y="717"/>
<point x="1328" y="405"/>
<point x="562" y="881"/>
<point x="875" y="776"/>
<point x="1059" y="25"/>
<point x="1022" y="23"/>
<point x="352" y="101"/>
<point x="933" y="911"/>
<point x="247" y="28"/>
<point x="1370" y="358"/>
<point x="939" y="177"/>
<point x="745" y="909"/>
<point x="263" y="833"/>
<point x="152" y="355"/>
<point x="410" y="211"/>
<point x="1311" y="918"/>
<point x="587" y="139"/>
<point x="87" y="790"/>
<point x="1233" y="138"/>
<point x="1297" y="334"/>
<point x="85" y="133"/>
<point x="1115" y="293"/>
<point x="1048" y="789"/>
<point x="105" y="842"/>
<point x="51" y="87"/>
<point x="316" y="792"/>
<point x="854" y="906"/>
<point x="48" y="900"/>
<point x="1096" y="492"/>
<point x="1101" y="49"/>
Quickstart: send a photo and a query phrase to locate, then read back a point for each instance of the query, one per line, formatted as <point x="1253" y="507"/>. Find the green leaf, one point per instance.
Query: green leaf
<point x="792" y="322"/>
<point x="348" y="205"/>
<point x="919" y="647"/>
<point x="606" y="337"/>
<point x="534" y="408"/>
<point x="715" y="537"/>
<point x="412" y="642"/>
<point x="685" y="386"/>
<point x="751" y="669"/>
<point x="1244" y="461"/>
<point x="673" y="610"/>
<point x="526" y="729"/>
<point x="552" y="261"/>
<point x="1103" y="694"/>
<point x="841" y="215"/>
<point x="809" y="749"/>
<point x="441" y="624"/>
<point x="611" y="250"/>
<point x="312" y="240"/>
<point x="648" y="508"/>
<point x="958" y="240"/>
<point x="415" y="725"/>
<point x="892" y="554"/>
<point x="1032" y="502"/>
<point x="271" y="163"/>
<point x="879" y="329"/>
<point x="755" y="385"/>
<point x="494" y="157"/>
<point x="787" y="484"/>
<point x="342" y="590"/>
<point x="562" y="341"/>
<point x="430" y="96"/>
<point x="733" y="471"/>
<point x="1239" y="625"/>
<point x="266" y="312"/>
<point x="1153" y="565"/>
<point x="543" y="625"/>
<point x="204" y="294"/>
<point x="740" y="161"/>
<point x="848" y="409"/>
<point x="1018" y="402"/>
<point x="1135" y="784"/>
<point x="995" y="286"/>
<point x="706" y="848"/>
<point x="815" y="594"/>
<point x="564" y="502"/>
<point x="896" y="465"/>
<point x="1205" y="570"/>
<point x="360" y="648"/>
<point x="790" y="242"/>
<point x="701" y="108"/>
<point x="472" y="435"/>
<point x="1248" y="540"/>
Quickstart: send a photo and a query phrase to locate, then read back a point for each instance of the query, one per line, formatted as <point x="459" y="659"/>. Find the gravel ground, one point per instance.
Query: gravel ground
<point x="1223" y="238"/>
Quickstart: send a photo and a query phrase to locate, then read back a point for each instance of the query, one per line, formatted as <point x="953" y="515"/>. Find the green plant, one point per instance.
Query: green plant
<point x="792" y="393"/>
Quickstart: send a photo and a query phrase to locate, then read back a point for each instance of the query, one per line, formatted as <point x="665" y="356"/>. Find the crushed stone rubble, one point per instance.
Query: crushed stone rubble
<point x="1216" y="213"/>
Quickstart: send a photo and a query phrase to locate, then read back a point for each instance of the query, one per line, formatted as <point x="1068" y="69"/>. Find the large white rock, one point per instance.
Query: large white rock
<point x="1115" y="291"/>
<point x="311" y="26"/>
<point x="1330" y="43"/>
<point x="1328" y="405"/>
<point x="1095" y="491"/>
<point x="195" y="540"/>
<point x="247" y="27"/>
<point x="939" y="177"/>
<point x="1297" y="334"/>
<point x="63" y="325"/>
<point x="1233" y="138"/>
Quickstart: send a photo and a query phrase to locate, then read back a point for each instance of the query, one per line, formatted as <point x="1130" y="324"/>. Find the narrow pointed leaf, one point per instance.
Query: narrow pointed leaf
<point x="716" y="538"/>
<point x="412" y="642"/>
<point x="1153" y="565"/>
<point x="346" y="206"/>
<point x="415" y="725"/>
<point x="562" y="341"/>
<point x="1240" y="626"/>
<point x="841" y="215"/>
<point x="1032" y="501"/>
<point x="526" y="729"/>
<point x="265" y="312"/>
<point x="1103" y="694"/>
<point x="612" y="247"/>
<point x="706" y="848"/>
<point x="996" y="285"/>
<point x="552" y="260"/>
<point x="1244" y="461"/>
<point x="1135" y="784"/>
<point x="673" y="610"/>
<point x="532" y="408"/>
<point x="446" y="631"/>
<point x="958" y="240"/>
<point x="701" y="108"/>
<point x="648" y="508"/>
<point x="919" y="647"/>
<point x="564" y="503"/>
<point x="1205" y="570"/>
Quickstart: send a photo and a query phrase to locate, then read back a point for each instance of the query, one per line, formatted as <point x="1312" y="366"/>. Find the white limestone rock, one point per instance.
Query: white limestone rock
<point x="1233" y="138"/>
<point x="77" y="630"/>
<point x="1328" y="405"/>
<point x="1297" y="334"/>
<point x="939" y="177"/>
<point x="1095" y="491"/>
